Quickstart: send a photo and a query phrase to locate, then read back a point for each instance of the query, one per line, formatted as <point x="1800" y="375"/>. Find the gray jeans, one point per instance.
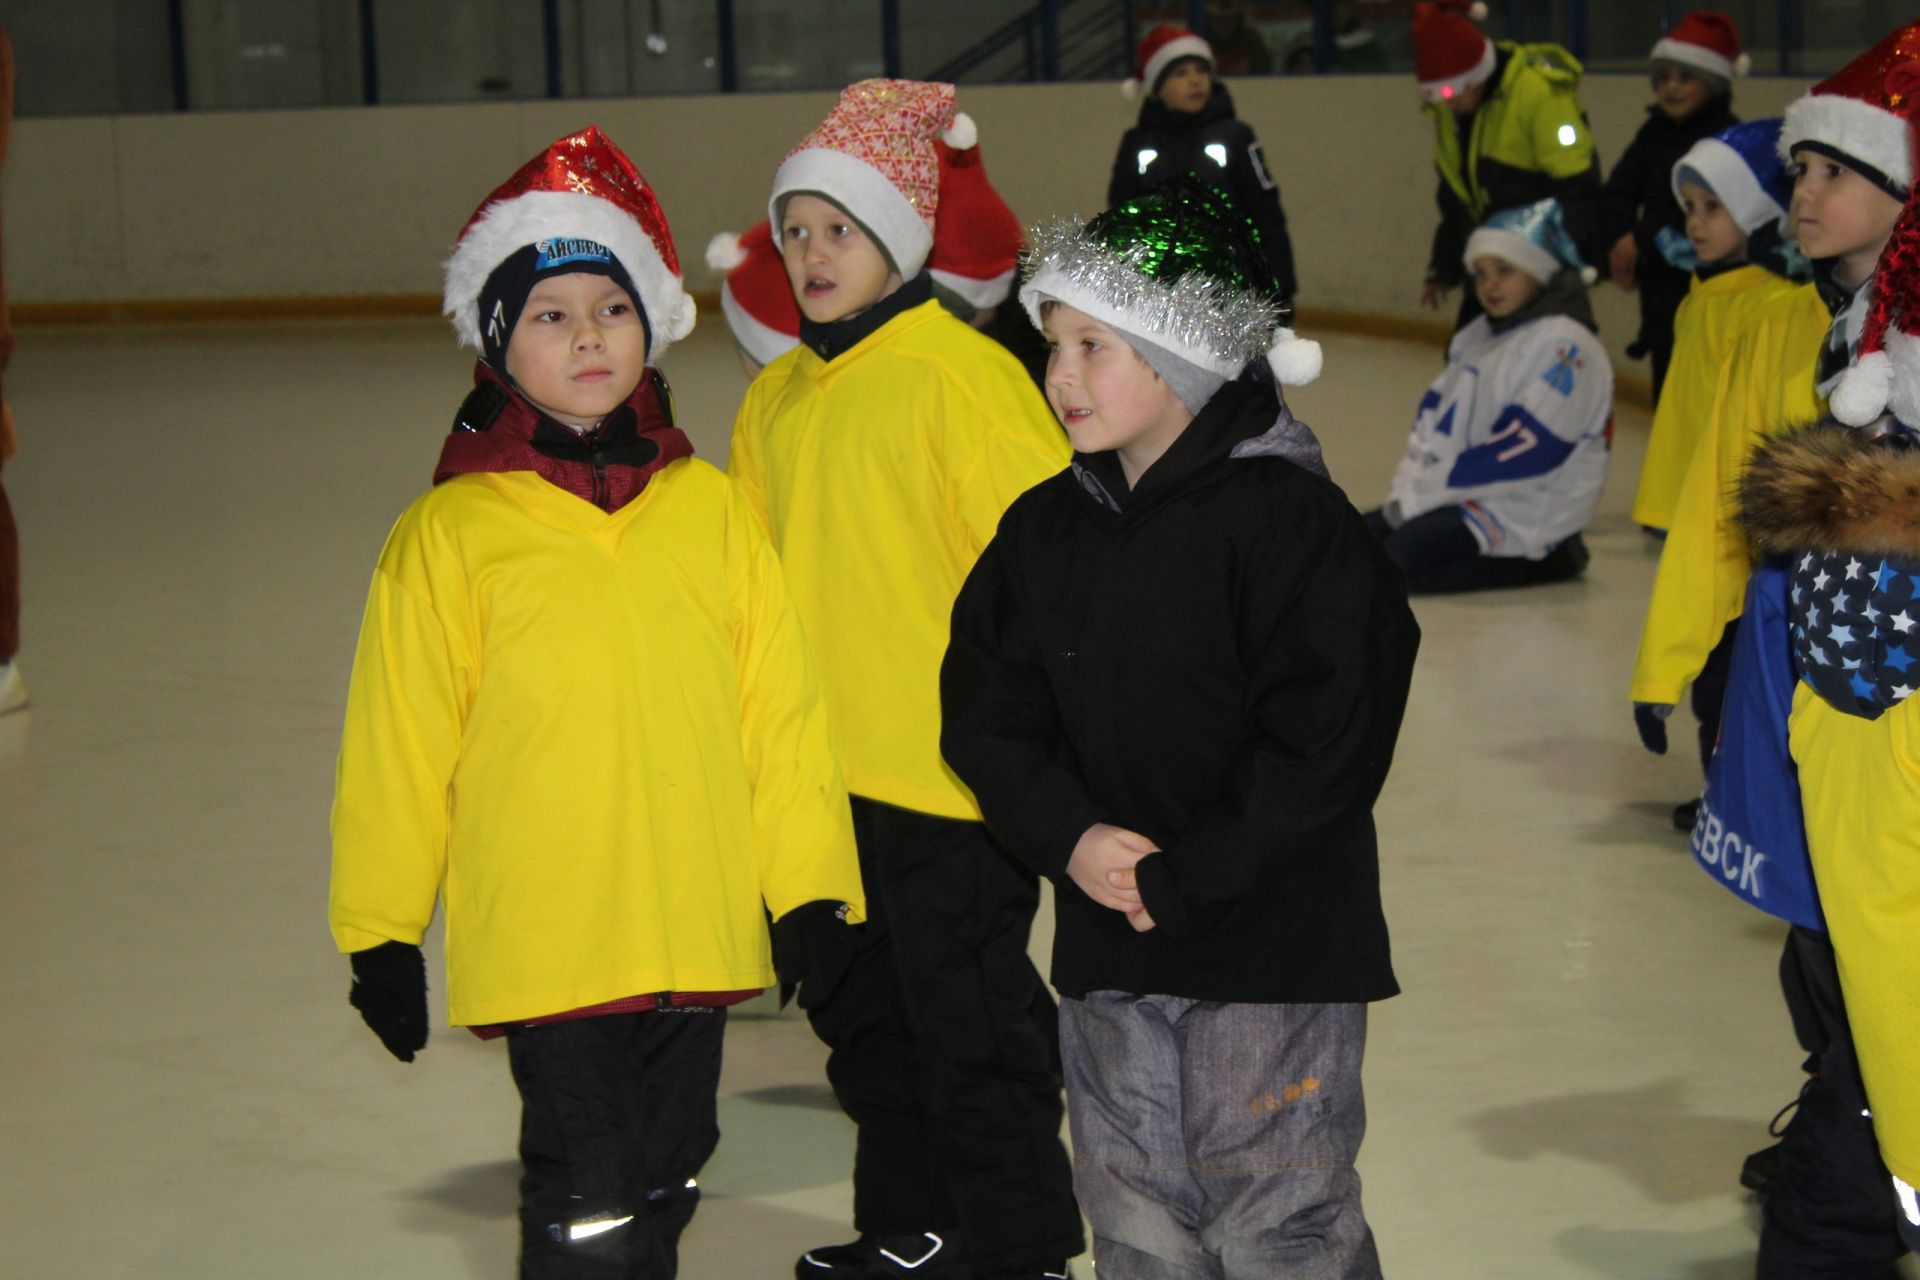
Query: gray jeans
<point x="1217" y="1141"/>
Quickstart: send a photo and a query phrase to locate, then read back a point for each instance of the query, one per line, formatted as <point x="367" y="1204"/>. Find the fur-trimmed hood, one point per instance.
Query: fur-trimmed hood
<point x="1832" y="488"/>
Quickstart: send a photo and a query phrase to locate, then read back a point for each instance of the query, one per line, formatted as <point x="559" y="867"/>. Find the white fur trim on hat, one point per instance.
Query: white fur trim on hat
<point x="1867" y="133"/>
<point x="862" y="191"/>
<point x="1187" y="46"/>
<point x="1863" y="390"/>
<point x="962" y="134"/>
<point x="1057" y="286"/>
<point x="1295" y="361"/>
<point x="507" y="226"/>
<point x="1731" y="182"/>
<point x="980" y="293"/>
<point x="1452" y="87"/>
<point x="724" y="252"/>
<point x="762" y="342"/>
<point x="1699" y="57"/>
<point x="1511" y="246"/>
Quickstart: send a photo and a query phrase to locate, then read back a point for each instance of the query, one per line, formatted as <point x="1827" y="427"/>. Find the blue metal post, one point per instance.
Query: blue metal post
<point x="1514" y="24"/>
<point x="1050" y="40"/>
<point x="550" y="36"/>
<point x="1132" y="38"/>
<point x="1577" y="20"/>
<point x="1197" y="17"/>
<point x="1323" y="19"/>
<point x="890" y="38"/>
<point x="177" y="51"/>
<point x="369" y="55"/>
<point x="729" y="50"/>
<point x="1789" y="35"/>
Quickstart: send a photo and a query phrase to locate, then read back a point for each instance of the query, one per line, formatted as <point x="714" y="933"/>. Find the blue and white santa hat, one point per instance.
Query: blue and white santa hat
<point x="1742" y="166"/>
<point x="1534" y="238"/>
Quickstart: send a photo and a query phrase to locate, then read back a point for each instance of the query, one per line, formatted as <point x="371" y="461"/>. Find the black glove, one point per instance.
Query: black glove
<point x="390" y="991"/>
<point x="813" y="947"/>
<point x="1650" y="718"/>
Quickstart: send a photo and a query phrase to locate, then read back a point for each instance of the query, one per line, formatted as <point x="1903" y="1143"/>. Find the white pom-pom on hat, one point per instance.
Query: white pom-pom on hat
<point x="1743" y="65"/>
<point x="1904" y="350"/>
<point x="962" y="133"/>
<point x="1130" y="88"/>
<point x="1864" y="390"/>
<point x="1477" y="11"/>
<point x="1588" y="275"/>
<point x="1295" y="361"/>
<point x="724" y="252"/>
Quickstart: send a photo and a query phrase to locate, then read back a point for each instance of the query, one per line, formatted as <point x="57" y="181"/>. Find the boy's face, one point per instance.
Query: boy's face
<point x="1678" y="92"/>
<point x="1105" y="395"/>
<point x="579" y="348"/>
<point x="1186" y="86"/>
<point x="835" y="268"/>
<point x="1502" y="287"/>
<point x="1839" y="214"/>
<point x="1715" y="236"/>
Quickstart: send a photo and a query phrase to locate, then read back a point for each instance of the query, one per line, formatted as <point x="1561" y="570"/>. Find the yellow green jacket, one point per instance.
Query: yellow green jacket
<point x="1712" y="315"/>
<point x="1527" y="140"/>
<point x="881" y="476"/>
<point x="1765" y="385"/>
<point x="596" y="735"/>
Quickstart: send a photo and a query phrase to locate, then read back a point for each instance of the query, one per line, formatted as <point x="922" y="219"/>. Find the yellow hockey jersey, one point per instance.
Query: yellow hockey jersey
<point x="1711" y="318"/>
<point x="881" y="476"/>
<point x="597" y="735"/>
<point x="1765" y="384"/>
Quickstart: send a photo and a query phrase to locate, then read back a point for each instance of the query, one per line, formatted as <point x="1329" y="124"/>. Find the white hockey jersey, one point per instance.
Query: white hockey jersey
<point x="1516" y="432"/>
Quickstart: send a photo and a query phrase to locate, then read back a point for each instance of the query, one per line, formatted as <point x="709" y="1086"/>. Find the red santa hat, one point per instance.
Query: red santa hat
<point x="756" y="297"/>
<point x="976" y="238"/>
<point x="583" y="187"/>
<point x="1705" y="40"/>
<point x="1163" y="46"/>
<point x="873" y="156"/>
<point x="1863" y="115"/>
<point x="1450" y="54"/>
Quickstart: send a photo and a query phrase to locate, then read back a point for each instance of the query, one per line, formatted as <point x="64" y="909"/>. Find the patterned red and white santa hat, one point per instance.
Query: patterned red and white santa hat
<point x="756" y="297"/>
<point x="1163" y="46"/>
<point x="873" y="156"/>
<point x="1706" y="40"/>
<point x="582" y="188"/>
<point x="976" y="238"/>
<point x="1863" y="114"/>
<point x="1886" y="376"/>
<point x="1450" y="54"/>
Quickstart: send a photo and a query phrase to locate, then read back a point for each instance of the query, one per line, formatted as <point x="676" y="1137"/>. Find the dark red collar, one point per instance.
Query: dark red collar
<point x="498" y="430"/>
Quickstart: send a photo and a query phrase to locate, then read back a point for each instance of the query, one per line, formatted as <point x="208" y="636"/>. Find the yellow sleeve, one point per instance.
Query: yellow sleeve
<point x="743" y="459"/>
<point x="1003" y="440"/>
<point x="803" y="828"/>
<point x="406" y="709"/>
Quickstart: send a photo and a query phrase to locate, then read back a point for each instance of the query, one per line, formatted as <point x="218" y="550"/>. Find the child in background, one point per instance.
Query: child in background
<point x="1510" y="443"/>
<point x="1694" y="66"/>
<point x="1187" y="125"/>
<point x="606" y="841"/>
<point x="1735" y="189"/>
<point x="754" y="295"/>
<point x="1508" y="130"/>
<point x="880" y="453"/>
<point x="1175" y="681"/>
<point x="1841" y="503"/>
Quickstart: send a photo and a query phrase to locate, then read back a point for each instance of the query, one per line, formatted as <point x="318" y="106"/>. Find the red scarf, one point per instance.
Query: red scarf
<point x="497" y="429"/>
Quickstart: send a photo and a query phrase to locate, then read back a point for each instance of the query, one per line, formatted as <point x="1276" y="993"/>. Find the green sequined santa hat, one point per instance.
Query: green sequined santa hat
<point x="1179" y="267"/>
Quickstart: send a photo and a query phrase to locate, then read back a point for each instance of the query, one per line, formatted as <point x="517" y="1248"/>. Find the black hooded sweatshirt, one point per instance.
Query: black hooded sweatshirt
<point x="1217" y="659"/>
<point x="1214" y="145"/>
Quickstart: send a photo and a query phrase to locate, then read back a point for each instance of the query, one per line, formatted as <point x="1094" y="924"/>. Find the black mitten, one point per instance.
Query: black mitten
<point x="390" y="991"/>
<point x="813" y="947"/>
<point x="1650" y="718"/>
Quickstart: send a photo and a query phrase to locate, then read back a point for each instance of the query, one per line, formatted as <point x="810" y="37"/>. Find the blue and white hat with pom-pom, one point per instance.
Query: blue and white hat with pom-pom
<point x="1181" y="269"/>
<point x="1534" y="238"/>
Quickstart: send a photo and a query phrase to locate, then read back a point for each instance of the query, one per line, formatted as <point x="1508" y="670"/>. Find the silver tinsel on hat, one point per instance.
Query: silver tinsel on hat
<point x="1196" y="312"/>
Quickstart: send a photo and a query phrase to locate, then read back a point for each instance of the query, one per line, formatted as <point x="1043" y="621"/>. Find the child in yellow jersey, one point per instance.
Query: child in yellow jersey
<point x="881" y="453"/>
<point x="1840" y="505"/>
<point x="582" y="715"/>
<point x="1734" y="190"/>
